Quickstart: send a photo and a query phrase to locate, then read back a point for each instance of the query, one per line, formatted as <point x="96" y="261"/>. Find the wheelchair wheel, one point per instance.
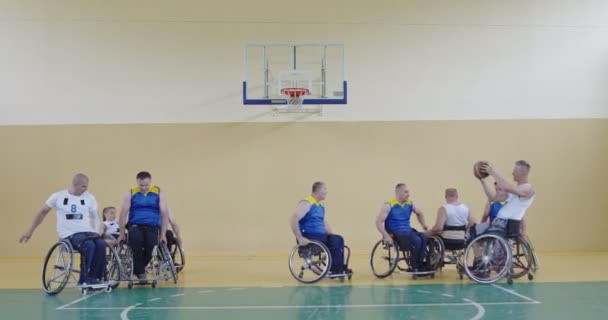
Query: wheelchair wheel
<point x="126" y="261"/>
<point x="114" y="270"/>
<point x="535" y="261"/>
<point x="522" y="259"/>
<point x="167" y="267"/>
<point x="487" y="258"/>
<point x="437" y="251"/>
<point x="384" y="259"/>
<point x="459" y="269"/>
<point x="57" y="268"/>
<point x="309" y="263"/>
<point x="179" y="259"/>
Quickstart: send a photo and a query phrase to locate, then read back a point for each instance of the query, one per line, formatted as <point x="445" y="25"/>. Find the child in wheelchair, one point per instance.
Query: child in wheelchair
<point x="110" y="227"/>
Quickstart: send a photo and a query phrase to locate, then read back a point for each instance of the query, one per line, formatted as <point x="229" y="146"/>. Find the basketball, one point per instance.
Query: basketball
<point x="478" y="171"/>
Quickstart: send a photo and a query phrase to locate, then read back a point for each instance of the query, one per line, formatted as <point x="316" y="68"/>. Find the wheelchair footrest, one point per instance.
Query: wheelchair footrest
<point x="96" y="286"/>
<point x="419" y="273"/>
<point x="340" y="275"/>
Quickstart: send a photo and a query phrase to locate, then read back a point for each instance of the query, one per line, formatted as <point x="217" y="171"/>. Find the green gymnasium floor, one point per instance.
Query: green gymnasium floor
<point x="524" y="300"/>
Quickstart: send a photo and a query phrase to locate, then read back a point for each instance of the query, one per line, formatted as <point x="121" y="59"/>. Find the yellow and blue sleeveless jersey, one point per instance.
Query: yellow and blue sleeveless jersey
<point x="145" y="208"/>
<point x="313" y="221"/>
<point x="398" y="219"/>
<point x="494" y="208"/>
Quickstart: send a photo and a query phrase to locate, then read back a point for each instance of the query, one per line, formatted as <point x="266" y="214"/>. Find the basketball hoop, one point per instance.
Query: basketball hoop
<point x="295" y="96"/>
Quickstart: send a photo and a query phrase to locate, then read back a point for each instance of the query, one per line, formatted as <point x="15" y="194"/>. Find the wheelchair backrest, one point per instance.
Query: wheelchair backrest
<point x="513" y="228"/>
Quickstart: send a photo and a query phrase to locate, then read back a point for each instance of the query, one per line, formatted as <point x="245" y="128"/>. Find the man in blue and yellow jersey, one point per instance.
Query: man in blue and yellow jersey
<point x="393" y="222"/>
<point x="308" y="223"/>
<point x="492" y="207"/>
<point x="146" y="208"/>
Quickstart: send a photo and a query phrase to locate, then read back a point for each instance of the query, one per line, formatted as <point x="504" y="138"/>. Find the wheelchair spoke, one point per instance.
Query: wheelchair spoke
<point x="384" y="259"/>
<point x="55" y="277"/>
<point x="313" y="261"/>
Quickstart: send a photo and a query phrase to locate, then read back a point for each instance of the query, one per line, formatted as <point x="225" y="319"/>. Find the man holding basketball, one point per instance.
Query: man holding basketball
<point x="518" y="196"/>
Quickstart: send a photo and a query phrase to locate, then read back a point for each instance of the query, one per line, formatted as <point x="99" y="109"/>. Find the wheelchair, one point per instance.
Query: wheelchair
<point x="160" y="267"/>
<point x="386" y="257"/>
<point x="177" y="253"/>
<point x="315" y="263"/>
<point x="58" y="269"/>
<point x="492" y="256"/>
<point x="525" y="260"/>
<point x="452" y="251"/>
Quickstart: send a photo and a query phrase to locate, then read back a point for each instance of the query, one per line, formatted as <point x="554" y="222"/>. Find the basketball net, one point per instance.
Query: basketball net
<point x="295" y="97"/>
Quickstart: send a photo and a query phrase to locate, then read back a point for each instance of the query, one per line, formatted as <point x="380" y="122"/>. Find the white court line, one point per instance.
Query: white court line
<point x="480" y="310"/>
<point x="447" y="295"/>
<point x="78" y="300"/>
<point x="125" y="312"/>
<point x="155" y="299"/>
<point x="178" y="295"/>
<point x="423" y="291"/>
<point x="513" y="292"/>
<point x="346" y="306"/>
<point x="205" y="291"/>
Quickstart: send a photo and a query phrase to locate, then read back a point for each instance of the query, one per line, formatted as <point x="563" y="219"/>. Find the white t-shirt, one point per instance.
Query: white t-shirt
<point x="457" y="215"/>
<point x="74" y="213"/>
<point x="516" y="207"/>
<point x="112" y="228"/>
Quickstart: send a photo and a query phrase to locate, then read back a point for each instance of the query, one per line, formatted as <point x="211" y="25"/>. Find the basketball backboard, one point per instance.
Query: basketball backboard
<point x="314" y="68"/>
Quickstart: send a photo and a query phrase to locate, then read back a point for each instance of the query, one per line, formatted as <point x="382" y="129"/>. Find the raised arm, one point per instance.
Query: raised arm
<point x="164" y="216"/>
<point x="524" y="191"/>
<point x="298" y="214"/>
<point x="470" y="220"/>
<point x="439" y="223"/>
<point x="94" y="215"/>
<point x="40" y="215"/>
<point x="420" y="217"/>
<point x="486" y="212"/>
<point x="386" y="208"/>
<point x="175" y="227"/>
<point x="124" y="214"/>
<point x="491" y="194"/>
<point x="328" y="228"/>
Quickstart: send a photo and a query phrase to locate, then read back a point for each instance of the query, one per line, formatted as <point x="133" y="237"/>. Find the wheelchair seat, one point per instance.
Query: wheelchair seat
<point x="454" y="237"/>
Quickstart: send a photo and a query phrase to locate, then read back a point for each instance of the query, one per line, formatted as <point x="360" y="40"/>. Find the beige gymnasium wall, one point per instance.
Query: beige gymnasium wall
<point x="233" y="186"/>
<point x="476" y="80"/>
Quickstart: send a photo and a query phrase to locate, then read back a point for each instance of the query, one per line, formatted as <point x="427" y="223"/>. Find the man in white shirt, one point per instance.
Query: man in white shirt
<point x="77" y="222"/>
<point x="518" y="197"/>
<point x="452" y="220"/>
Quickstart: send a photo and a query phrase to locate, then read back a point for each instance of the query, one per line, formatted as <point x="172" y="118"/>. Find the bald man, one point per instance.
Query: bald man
<point x="77" y="222"/>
